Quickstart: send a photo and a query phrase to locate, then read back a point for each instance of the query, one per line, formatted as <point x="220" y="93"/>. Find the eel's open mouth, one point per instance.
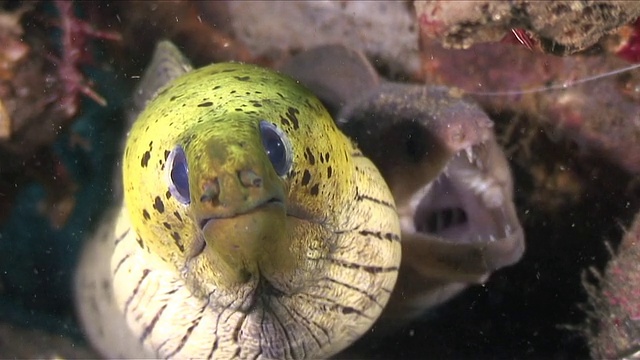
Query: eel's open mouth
<point x="464" y="205"/>
<point x="470" y="202"/>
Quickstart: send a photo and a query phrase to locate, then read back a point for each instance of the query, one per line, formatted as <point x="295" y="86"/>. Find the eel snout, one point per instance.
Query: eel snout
<point x="469" y="204"/>
<point x="456" y="231"/>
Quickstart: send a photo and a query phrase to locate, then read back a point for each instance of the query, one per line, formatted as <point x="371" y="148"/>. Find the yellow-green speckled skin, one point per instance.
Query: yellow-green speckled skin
<point x="302" y="280"/>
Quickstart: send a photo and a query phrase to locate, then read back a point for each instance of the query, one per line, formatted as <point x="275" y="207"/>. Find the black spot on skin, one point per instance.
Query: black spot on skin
<point x="187" y="142"/>
<point x="315" y="189"/>
<point x="238" y="109"/>
<point x="177" y="215"/>
<point x="329" y="172"/>
<point x="326" y="157"/>
<point x="176" y="240"/>
<point x="106" y="286"/>
<point x="243" y="78"/>
<point x="310" y="157"/>
<point x="145" y="159"/>
<point x="306" y="177"/>
<point x="163" y="92"/>
<point x="348" y="310"/>
<point x="256" y="104"/>
<point x="292" y="116"/>
<point x="285" y="122"/>
<point x="217" y="87"/>
<point x="173" y="98"/>
<point x="167" y="225"/>
<point x="150" y="145"/>
<point x="146" y="215"/>
<point x="321" y="158"/>
<point x="166" y="154"/>
<point x="227" y="71"/>
<point x="167" y="194"/>
<point x="232" y="92"/>
<point x="205" y="104"/>
<point x="392" y="237"/>
<point x="140" y="242"/>
<point x="158" y="205"/>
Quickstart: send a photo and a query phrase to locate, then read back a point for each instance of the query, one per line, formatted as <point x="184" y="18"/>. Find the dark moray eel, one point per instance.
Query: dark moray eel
<point x="449" y="177"/>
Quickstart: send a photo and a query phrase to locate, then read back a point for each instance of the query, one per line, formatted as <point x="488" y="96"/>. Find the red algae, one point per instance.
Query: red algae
<point x="630" y="47"/>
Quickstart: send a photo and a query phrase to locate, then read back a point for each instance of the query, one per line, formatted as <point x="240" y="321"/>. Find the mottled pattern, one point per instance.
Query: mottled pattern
<point x="292" y="266"/>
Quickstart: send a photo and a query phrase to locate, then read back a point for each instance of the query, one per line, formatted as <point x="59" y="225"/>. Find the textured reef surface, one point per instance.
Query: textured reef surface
<point x="573" y="146"/>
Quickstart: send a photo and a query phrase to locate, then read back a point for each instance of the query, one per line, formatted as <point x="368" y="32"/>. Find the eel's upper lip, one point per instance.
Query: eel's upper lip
<point x="271" y="202"/>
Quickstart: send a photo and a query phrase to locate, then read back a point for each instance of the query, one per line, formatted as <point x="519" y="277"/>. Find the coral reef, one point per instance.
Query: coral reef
<point x="614" y="323"/>
<point x="600" y="116"/>
<point x="39" y="98"/>
<point x="559" y="27"/>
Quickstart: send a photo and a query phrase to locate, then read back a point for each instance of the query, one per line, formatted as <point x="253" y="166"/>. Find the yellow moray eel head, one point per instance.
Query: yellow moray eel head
<point x="238" y="184"/>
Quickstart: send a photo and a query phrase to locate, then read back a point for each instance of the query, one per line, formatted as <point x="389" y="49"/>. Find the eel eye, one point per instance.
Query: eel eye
<point x="277" y="147"/>
<point x="179" y="175"/>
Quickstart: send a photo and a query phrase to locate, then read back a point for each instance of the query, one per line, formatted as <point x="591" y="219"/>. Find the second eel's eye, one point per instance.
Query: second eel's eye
<point x="179" y="175"/>
<point x="277" y="147"/>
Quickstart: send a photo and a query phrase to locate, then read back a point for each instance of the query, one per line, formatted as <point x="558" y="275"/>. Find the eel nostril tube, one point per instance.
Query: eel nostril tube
<point x="210" y="191"/>
<point x="249" y="178"/>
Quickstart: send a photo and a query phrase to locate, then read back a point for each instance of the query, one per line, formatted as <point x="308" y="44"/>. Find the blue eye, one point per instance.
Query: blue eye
<point x="276" y="146"/>
<point x="179" y="175"/>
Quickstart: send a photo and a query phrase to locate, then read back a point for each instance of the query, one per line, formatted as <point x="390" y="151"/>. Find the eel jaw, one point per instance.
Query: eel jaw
<point x="235" y="242"/>
<point x="470" y="202"/>
<point x="458" y="228"/>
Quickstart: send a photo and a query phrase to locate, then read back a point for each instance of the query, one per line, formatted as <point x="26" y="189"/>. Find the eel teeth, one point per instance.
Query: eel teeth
<point x="478" y="163"/>
<point x="469" y="152"/>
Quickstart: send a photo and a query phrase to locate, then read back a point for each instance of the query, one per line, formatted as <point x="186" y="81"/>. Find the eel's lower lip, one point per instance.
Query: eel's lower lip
<point x="272" y="202"/>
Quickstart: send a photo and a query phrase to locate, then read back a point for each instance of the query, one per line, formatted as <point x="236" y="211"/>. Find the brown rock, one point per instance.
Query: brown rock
<point x="560" y="27"/>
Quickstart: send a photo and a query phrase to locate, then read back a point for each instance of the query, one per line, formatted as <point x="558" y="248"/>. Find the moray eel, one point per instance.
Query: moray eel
<point x="449" y="177"/>
<point x="251" y="226"/>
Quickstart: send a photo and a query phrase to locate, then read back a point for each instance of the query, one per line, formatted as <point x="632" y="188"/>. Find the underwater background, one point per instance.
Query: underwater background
<point x="571" y="199"/>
